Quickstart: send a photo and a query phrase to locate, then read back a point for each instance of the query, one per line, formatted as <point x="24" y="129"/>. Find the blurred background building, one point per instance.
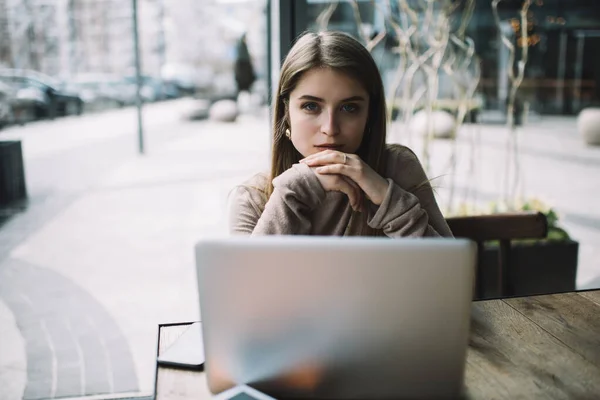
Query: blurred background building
<point x="189" y="41"/>
<point x="562" y="75"/>
<point x="192" y="43"/>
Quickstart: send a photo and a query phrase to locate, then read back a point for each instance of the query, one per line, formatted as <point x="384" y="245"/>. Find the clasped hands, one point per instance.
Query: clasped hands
<point x="347" y="173"/>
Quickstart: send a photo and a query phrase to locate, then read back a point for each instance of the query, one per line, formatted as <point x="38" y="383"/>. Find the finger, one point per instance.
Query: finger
<point x="314" y="157"/>
<point x="343" y="171"/>
<point x="340" y="169"/>
<point x="326" y="158"/>
<point x="318" y="154"/>
<point x="358" y="192"/>
<point x="351" y="191"/>
<point x="333" y="157"/>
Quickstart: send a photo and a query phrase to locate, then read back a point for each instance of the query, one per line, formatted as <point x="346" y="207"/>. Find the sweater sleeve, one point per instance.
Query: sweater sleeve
<point x="296" y="192"/>
<point x="413" y="212"/>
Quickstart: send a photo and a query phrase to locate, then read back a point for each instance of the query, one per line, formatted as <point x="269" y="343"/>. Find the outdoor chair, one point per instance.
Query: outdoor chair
<point x="502" y="228"/>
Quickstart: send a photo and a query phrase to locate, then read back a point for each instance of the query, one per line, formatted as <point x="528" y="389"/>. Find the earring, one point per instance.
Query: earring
<point x="288" y="133"/>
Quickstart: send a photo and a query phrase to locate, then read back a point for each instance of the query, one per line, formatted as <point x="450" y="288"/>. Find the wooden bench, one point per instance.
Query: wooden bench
<point x="503" y="228"/>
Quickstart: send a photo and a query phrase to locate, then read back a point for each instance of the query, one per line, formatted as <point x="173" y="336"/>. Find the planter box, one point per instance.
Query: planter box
<point x="535" y="268"/>
<point x="12" y="173"/>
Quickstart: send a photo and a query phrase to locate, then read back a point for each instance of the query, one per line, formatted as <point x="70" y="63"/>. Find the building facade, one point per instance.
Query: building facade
<point x="66" y="38"/>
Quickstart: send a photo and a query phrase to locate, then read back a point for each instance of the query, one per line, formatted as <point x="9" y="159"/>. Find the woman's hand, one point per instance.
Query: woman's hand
<point x="332" y="163"/>
<point x="340" y="183"/>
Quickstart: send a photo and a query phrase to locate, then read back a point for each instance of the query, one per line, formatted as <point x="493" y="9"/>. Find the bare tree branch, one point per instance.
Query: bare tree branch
<point x="427" y="46"/>
<point x="512" y="148"/>
<point x="467" y="15"/>
<point x="325" y="16"/>
<point x="369" y="43"/>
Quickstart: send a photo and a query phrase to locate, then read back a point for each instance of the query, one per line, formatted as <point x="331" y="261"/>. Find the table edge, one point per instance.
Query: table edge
<point x="156" y="366"/>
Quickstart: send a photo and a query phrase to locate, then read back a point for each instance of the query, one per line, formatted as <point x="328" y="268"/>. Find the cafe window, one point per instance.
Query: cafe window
<point x="481" y="167"/>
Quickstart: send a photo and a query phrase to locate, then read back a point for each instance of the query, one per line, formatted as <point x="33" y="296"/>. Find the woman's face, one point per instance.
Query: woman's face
<point x="327" y="110"/>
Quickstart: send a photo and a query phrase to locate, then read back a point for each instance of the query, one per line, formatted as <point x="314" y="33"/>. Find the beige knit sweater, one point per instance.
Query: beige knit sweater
<point x="300" y="206"/>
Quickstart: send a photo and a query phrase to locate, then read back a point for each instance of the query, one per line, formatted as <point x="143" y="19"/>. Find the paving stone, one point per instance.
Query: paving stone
<point x="13" y="368"/>
<point x="56" y="318"/>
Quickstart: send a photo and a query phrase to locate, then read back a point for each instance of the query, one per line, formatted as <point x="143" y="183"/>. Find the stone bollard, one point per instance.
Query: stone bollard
<point x="442" y="123"/>
<point x="223" y="111"/>
<point x="12" y="173"/>
<point x="588" y="124"/>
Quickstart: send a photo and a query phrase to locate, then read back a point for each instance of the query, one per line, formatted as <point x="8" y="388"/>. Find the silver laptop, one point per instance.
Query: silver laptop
<point x="336" y="318"/>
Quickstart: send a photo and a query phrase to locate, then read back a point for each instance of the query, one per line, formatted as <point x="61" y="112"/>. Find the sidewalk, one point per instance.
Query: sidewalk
<point x="104" y="252"/>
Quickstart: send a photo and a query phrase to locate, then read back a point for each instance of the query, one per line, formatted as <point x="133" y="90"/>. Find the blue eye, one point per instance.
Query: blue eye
<point x="350" y="108"/>
<point x="312" y="106"/>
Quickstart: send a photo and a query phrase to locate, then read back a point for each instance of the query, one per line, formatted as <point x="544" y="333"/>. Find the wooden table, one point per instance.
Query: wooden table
<point x="539" y="347"/>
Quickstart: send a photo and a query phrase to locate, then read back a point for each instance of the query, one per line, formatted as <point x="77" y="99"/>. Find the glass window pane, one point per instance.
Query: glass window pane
<point x="101" y="249"/>
<point x="450" y="69"/>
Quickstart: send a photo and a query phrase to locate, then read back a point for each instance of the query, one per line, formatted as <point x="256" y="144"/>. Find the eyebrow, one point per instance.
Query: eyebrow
<point x="314" y="98"/>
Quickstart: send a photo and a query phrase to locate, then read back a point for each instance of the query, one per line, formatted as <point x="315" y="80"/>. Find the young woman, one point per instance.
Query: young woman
<point x="331" y="171"/>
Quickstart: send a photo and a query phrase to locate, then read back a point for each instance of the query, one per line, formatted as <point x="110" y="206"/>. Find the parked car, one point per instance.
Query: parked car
<point x="51" y="100"/>
<point x="6" y="99"/>
<point x="101" y="91"/>
<point x="97" y="95"/>
<point x="18" y="106"/>
<point x="188" y="79"/>
<point x="155" y="89"/>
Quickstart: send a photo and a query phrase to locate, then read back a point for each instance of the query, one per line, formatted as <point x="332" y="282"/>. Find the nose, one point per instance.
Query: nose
<point x="329" y="123"/>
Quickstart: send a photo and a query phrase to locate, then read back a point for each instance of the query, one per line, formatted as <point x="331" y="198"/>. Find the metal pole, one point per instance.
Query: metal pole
<point x="562" y="67"/>
<point x="503" y="55"/>
<point x="162" y="52"/>
<point x="578" y="71"/>
<point x="138" y="76"/>
<point x="269" y="58"/>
